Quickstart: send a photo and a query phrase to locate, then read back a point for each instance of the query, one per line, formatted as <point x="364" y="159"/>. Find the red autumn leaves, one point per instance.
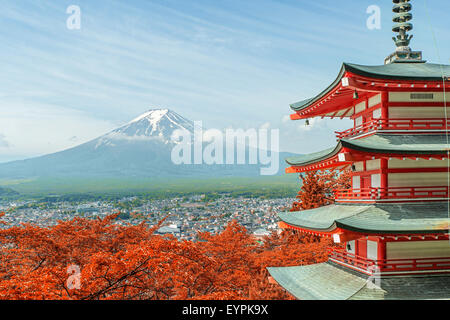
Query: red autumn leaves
<point x="132" y="262"/>
<point x="317" y="188"/>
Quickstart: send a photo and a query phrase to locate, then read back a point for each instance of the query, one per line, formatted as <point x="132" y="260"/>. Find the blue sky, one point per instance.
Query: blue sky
<point x="228" y="63"/>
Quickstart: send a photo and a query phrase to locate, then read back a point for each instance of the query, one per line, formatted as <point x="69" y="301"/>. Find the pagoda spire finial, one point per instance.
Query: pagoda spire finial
<point x="402" y="18"/>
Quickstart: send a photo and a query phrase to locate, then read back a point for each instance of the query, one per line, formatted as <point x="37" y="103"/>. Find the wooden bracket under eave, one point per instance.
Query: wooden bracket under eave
<point x="345" y="236"/>
<point x="290" y="170"/>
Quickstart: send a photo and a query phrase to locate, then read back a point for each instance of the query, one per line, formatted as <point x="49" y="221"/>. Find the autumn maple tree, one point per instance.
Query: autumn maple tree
<point x="317" y="188"/>
<point x="132" y="262"/>
<point x="92" y="259"/>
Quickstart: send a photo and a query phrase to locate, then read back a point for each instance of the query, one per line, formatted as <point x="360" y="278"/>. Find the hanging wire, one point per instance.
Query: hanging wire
<point x="444" y="79"/>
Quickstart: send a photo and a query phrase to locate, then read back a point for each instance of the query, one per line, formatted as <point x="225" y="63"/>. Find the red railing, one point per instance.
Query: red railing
<point x="414" y="192"/>
<point x="437" y="124"/>
<point x="352" y="194"/>
<point x="369" y="126"/>
<point x="392" y="265"/>
<point x="393" y="193"/>
<point x="342" y="256"/>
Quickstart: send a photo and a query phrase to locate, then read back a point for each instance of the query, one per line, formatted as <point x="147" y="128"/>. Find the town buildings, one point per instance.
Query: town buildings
<point x="185" y="216"/>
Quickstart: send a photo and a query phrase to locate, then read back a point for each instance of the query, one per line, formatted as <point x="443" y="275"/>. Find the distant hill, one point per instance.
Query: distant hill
<point x="139" y="149"/>
<point x="8" y="192"/>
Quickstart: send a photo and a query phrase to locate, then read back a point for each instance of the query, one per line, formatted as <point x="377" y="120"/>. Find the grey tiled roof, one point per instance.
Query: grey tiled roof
<point x="394" y="71"/>
<point x="430" y="217"/>
<point x="380" y="143"/>
<point x="404" y="144"/>
<point x="317" y="282"/>
<point x="312" y="157"/>
<point x="401" y="71"/>
<point x="328" y="281"/>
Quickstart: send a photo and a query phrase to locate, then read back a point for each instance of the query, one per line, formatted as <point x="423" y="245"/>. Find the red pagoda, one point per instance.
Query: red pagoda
<point x="394" y="221"/>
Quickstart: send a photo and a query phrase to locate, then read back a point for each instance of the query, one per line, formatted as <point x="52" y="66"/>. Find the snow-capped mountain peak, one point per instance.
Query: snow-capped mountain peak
<point x="157" y="124"/>
<point x="153" y="116"/>
<point x="140" y="148"/>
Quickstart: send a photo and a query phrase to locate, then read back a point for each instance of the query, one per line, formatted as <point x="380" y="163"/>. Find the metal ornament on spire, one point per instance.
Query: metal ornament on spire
<point x="402" y="15"/>
<point x="402" y="18"/>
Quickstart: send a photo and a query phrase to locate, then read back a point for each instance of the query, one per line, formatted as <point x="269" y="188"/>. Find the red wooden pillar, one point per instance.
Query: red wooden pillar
<point x="381" y="251"/>
<point x="384" y="177"/>
<point x="363" y="182"/>
<point x="362" y="247"/>
<point x="364" y="117"/>
<point x="384" y="107"/>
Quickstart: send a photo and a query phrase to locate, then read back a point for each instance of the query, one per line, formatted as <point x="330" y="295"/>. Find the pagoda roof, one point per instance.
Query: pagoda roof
<point x="385" y="218"/>
<point x="393" y="71"/>
<point x="401" y="71"/>
<point x="321" y="281"/>
<point x="306" y="159"/>
<point x="329" y="281"/>
<point x="392" y="144"/>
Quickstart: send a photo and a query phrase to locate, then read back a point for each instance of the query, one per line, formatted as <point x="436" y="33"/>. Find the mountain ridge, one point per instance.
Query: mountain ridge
<point x="139" y="148"/>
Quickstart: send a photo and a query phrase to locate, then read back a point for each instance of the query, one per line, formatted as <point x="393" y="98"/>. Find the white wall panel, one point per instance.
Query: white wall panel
<point x="376" y="181"/>
<point x="375" y="100"/>
<point x="406" y="96"/>
<point x="358" y="121"/>
<point x="356" y="182"/>
<point x="360" y="107"/>
<point x="417" y="179"/>
<point x="417" y="249"/>
<point x="372" y="250"/>
<point x="421" y="163"/>
<point x="373" y="164"/>
<point x="359" y="166"/>
<point x="377" y="113"/>
<point x="417" y="112"/>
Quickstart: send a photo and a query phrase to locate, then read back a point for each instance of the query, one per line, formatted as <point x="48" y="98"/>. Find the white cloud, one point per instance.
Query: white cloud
<point x="51" y="129"/>
<point x="206" y="60"/>
<point x="3" y="142"/>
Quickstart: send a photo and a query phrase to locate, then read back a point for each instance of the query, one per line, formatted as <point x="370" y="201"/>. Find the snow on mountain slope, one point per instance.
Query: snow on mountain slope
<point x="155" y="124"/>
<point x="140" y="148"/>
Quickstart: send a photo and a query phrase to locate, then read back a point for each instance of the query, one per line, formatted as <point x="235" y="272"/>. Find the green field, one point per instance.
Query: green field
<point x="267" y="186"/>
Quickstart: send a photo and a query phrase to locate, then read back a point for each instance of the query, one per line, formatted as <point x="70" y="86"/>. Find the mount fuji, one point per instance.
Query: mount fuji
<point x="140" y="148"/>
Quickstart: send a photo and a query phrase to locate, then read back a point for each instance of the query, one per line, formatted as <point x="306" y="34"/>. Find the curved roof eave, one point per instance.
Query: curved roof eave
<point x="368" y="230"/>
<point x="322" y="219"/>
<point x="302" y="282"/>
<point x="331" y="281"/>
<point x="388" y="218"/>
<point x="398" y="144"/>
<point x="401" y="71"/>
<point x="393" y="71"/>
<point x="381" y="144"/>
<point x="306" y="103"/>
<point x="313" y="157"/>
